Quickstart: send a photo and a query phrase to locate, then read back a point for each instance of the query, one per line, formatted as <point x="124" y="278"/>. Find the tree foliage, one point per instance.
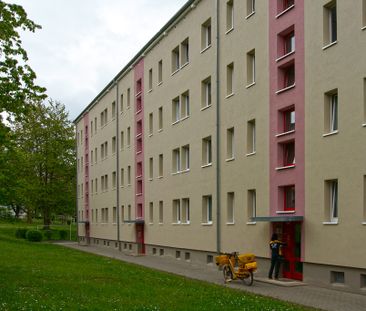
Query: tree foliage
<point x="17" y="79"/>
<point x="40" y="164"/>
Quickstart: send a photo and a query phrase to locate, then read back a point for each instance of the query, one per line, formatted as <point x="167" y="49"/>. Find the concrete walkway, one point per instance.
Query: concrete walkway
<point x="307" y="295"/>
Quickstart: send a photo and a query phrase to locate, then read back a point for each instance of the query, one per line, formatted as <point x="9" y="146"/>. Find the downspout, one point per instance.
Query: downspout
<point x="76" y="185"/>
<point x="117" y="166"/>
<point x="218" y="165"/>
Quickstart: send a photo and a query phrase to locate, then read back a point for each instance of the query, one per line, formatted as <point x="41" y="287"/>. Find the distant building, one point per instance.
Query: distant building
<point x="238" y="119"/>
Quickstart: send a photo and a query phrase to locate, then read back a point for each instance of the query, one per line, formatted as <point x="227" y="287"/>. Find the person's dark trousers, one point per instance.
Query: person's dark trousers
<point x="275" y="265"/>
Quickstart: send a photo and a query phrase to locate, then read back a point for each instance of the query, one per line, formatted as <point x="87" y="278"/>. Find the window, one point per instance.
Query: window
<point x="185" y="158"/>
<point x="160" y="118"/>
<point x="91" y="128"/>
<point x="139" y="169"/>
<point x="129" y="212"/>
<point x="175" y="110"/>
<point x="206" y="36"/>
<point x="363" y="281"/>
<point x="128" y="137"/>
<point x="123" y="213"/>
<point x="128" y="98"/>
<point x="122" y="177"/>
<point x="185" y="211"/>
<point x="92" y="187"/>
<point x="113" y="144"/>
<point x="288" y="153"/>
<point x="129" y="175"/>
<point x="81" y="137"/>
<point x="364" y="199"/>
<point x="251" y="67"/>
<point x="160" y="72"/>
<point x="252" y="204"/>
<point x="91" y="157"/>
<point x="161" y="212"/>
<point x="151" y="123"/>
<point x="331" y="201"/>
<point x="330" y="23"/>
<point x="122" y="140"/>
<point x="150" y="79"/>
<point x="185" y="51"/>
<point x="114" y="179"/>
<point x="138" y="104"/>
<point x="176" y="212"/>
<point x="230" y="143"/>
<point x="250" y="7"/>
<point x="251" y="137"/>
<point x="207" y="209"/>
<point x="95" y="125"/>
<point x="206" y="93"/>
<point x="336" y="277"/>
<point x="229" y="79"/>
<point x="96" y="155"/>
<point x="287" y="76"/>
<point x="113" y="110"/>
<point x="364" y="13"/>
<point x="229" y="15"/>
<point x="206" y="151"/>
<point x="175" y="59"/>
<point x="289" y="43"/>
<point x="122" y="104"/>
<point x="284" y="5"/>
<point x="161" y="165"/>
<point x="364" y="99"/>
<point x="139" y="187"/>
<point x="230" y="207"/>
<point x="289" y="198"/>
<point x="185" y="111"/>
<point x="176" y="161"/>
<point x="96" y="185"/>
<point x="331" y="112"/>
<point x="151" y="168"/>
<point x="151" y="212"/>
<point x="114" y="214"/>
<point x="288" y="117"/>
<point x="138" y="86"/>
<point x="177" y="254"/>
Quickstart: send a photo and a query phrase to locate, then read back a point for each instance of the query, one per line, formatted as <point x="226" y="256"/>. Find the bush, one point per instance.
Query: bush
<point x="63" y="234"/>
<point x="21" y="233"/>
<point x="34" y="236"/>
<point x="48" y="234"/>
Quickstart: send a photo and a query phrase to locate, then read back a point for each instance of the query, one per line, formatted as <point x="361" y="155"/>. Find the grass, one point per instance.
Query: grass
<point x="42" y="276"/>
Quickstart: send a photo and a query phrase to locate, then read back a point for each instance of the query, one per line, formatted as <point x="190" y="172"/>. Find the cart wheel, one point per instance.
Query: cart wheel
<point x="248" y="280"/>
<point x="228" y="276"/>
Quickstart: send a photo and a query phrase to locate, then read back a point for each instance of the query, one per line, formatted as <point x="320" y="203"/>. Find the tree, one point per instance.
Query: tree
<point x="46" y="146"/>
<point x="17" y="79"/>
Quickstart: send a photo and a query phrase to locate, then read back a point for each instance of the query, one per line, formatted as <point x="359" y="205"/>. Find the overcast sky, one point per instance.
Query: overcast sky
<point x="83" y="44"/>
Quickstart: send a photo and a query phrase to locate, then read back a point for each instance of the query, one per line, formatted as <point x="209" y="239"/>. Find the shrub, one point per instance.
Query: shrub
<point x="63" y="234"/>
<point x="34" y="236"/>
<point x="48" y="234"/>
<point x="21" y="233"/>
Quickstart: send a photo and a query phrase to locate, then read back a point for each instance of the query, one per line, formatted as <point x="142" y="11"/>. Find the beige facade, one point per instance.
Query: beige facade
<point x="208" y="148"/>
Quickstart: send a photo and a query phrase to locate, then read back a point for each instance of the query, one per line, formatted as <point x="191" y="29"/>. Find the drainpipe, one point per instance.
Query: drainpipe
<point x="218" y="165"/>
<point x="117" y="165"/>
<point x="76" y="199"/>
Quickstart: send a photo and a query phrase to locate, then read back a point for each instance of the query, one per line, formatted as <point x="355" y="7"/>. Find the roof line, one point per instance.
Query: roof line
<point x="137" y="56"/>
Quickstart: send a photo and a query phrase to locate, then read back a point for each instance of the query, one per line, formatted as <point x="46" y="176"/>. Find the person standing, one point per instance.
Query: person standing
<point x="276" y="256"/>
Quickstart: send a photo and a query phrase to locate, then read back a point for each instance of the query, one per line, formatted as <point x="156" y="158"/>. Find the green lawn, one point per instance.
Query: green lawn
<point x="42" y="276"/>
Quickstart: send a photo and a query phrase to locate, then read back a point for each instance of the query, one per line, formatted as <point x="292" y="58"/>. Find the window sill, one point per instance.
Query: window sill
<point x="161" y="223"/>
<point x="251" y="154"/>
<point x="229" y="30"/>
<point x="174" y="72"/>
<point x="176" y="223"/>
<point x="184" y="65"/>
<point x="150" y="135"/>
<point x="205" y="49"/>
<point x="184" y="118"/>
<point x="230" y="223"/>
<point x="285" y="212"/>
<point x="285" y="56"/>
<point x="160" y="130"/>
<point x="251" y="14"/>
<point x="363" y="28"/>
<point x="175" y="122"/>
<point x="185" y="171"/>
<point x="251" y="223"/>
<point x="330" y="133"/>
<point x="364" y="223"/>
<point x="138" y="111"/>
<point x="138" y="152"/>
<point x="281" y="168"/>
<point x="160" y="177"/>
<point x="207" y="223"/>
<point x="138" y="135"/>
<point x="186" y="223"/>
<point x="329" y="45"/>
<point x="230" y="159"/>
<point x="250" y="85"/>
<point x="175" y="173"/>
<point x="206" y="165"/>
<point x="229" y="95"/>
<point x="286" y="89"/>
<point x="139" y="194"/>
<point x="285" y="11"/>
<point x="330" y="222"/>
<point x="364" y="125"/>
<point x="285" y="133"/>
<point x="138" y="93"/>
<point x="206" y="107"/>
<point x="139" y="176"/>
<point x="150" y="179"/>
<point x="160" y="83"/>
<point x="150" y="90"/>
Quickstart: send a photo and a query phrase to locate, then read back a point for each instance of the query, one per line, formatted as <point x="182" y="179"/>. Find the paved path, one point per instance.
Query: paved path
<point x="321" y="298"/>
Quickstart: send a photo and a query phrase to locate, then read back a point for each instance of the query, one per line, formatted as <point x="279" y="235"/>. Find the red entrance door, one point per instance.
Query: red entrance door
<point x="292" y="265"/>
<point x="140" y="239"/>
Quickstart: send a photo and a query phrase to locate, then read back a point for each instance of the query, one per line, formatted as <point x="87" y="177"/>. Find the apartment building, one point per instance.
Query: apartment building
<point x="238" y="119"/>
